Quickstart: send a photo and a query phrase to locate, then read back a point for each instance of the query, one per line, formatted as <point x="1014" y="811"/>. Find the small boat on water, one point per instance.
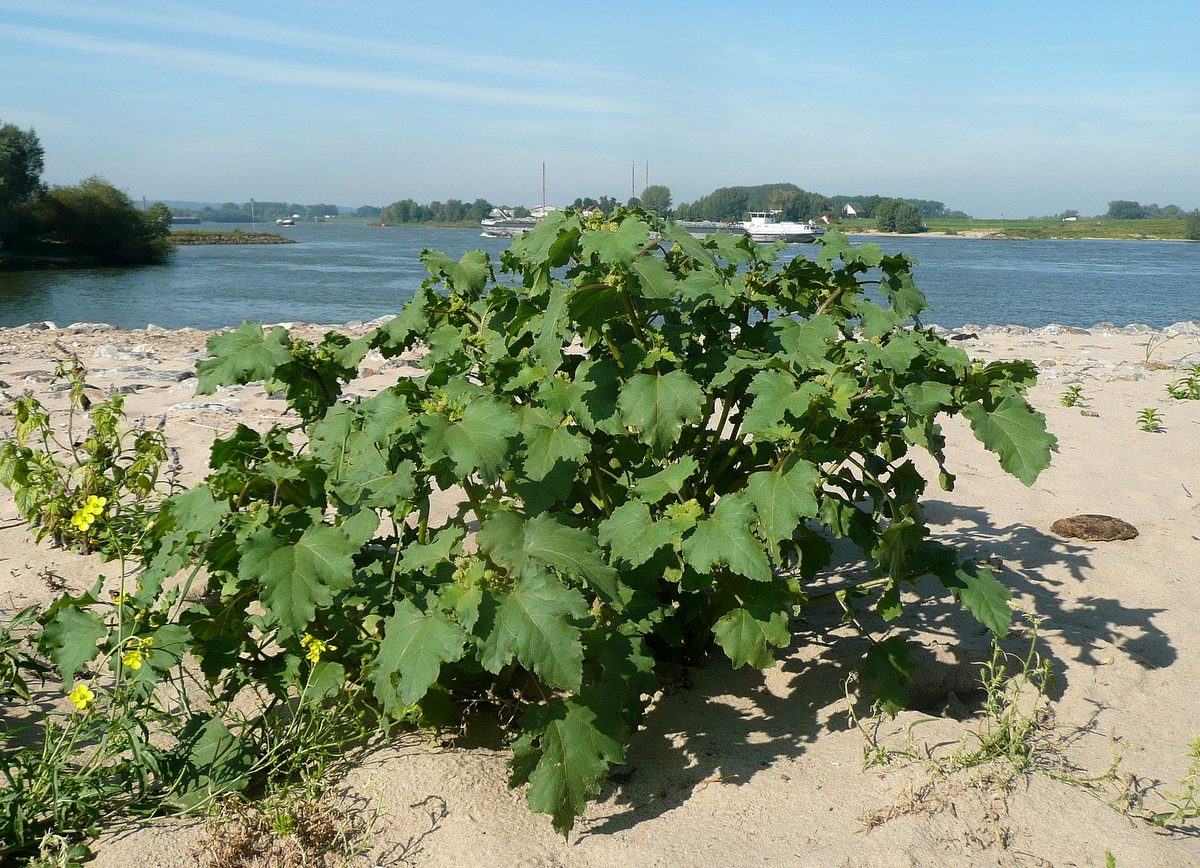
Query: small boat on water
<point x="285" y="221"/>
<point x="704" y="228"/>
<point x="500" y="223"/>
<point x="765" y="227"/>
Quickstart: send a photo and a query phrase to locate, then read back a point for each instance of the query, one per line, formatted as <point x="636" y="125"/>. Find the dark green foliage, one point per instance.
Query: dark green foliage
<point x="21" y="166"/>
<point x="656" y="199"/>
<point x="101" y="220"/>
<point x="1121" y="209"/>
<point x="651" y="438"/>
<point x="896" y="215"/>
<point x="1191" y="226"/>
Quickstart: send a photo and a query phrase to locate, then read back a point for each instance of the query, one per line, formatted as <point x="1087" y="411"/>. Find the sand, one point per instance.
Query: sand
<point x="747" y="768"/>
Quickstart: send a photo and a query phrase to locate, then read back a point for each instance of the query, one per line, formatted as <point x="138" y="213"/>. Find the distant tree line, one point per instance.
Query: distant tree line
<point x="231" y="212"/>
<point x="92" y="217"/>
<point x="450" y="211"/>
<point x="731" y="204"/>
<point x="1122" y="209"/>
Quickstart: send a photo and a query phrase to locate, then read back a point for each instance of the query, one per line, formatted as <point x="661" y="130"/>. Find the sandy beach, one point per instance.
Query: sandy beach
<point x="740" y="768"/>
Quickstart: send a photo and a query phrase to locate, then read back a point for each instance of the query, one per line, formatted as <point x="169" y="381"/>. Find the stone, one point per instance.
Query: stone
<point x="161" y="376"/>
<point x="1182" y="328"/>
<point x="200" y="405"/>
<point x="1094" y="528"/>
<point x="122" y="354"/>
<point x="1136" y="328"/>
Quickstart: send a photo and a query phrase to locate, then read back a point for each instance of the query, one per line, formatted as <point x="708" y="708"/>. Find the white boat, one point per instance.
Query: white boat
<point x="705" y="228"/>
<point x="765" y="227"/>
<point x="503" y="224"/>
<point x="285" y="221"/>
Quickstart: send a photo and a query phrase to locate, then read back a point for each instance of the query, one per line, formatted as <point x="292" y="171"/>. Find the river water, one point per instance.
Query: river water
<point x="342" y="272"/>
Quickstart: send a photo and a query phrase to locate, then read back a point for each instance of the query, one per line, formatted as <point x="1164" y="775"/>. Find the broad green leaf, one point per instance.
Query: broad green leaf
<point x="418" y="558"/>
<point x="297" y="578"/>
<point x="467" y="276"/>
<point x="670" y="480"/>
<point x="656" y="280"/>
<point x="548" y="443"/>
<point x="747" y="636"/>
<point x="976" y="588"/>
<point x="593" y="307"/>
<point x="479" y="443"/>
<point x="928" y="398"/>
<point x="414" y="647"/>
<point x="242" y="356"/>
<point x="809" y="343"/>
<point x="633" y="535"/>
<point x="657" y="405"/>
<point x="69" y="637"/>
<point x="533" y="623"/>
<point x="1017" y="434"/>
<point x="725" y="538"/>
<point x="565" y="754"/>
<point x="593" y="395"/>
<point x="620" y="246"/>
<point x="544" y="541"/>
<point x="209" y="760"/>
<point x="775" y="394"/>
<point x="784" y="498"/>
<point x="888" y="667"/>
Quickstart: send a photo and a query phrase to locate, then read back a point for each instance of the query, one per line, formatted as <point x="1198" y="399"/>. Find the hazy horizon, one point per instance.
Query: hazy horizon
<point x="1028" y="108"/>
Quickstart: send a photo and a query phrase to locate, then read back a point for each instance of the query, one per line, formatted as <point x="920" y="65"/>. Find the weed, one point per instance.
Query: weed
<point x="1186" y="388"/>
<point x="1149" y="420"/>
<point x="105" y="468"/>
<point x="1073" y="397"/>
<point x="1182" y="805"/>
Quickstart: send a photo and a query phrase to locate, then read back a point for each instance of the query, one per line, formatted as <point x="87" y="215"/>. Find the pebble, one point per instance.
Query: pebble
<point x="200" y="405"/>
<point x="121" y="354"/>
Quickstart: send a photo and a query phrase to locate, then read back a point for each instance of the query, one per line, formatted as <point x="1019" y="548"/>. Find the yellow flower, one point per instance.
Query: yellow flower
<point x="138" y="651"/>
<point x="82" y="697"/>
<point x="89" y="512"/>
<point x="315" y="647"/>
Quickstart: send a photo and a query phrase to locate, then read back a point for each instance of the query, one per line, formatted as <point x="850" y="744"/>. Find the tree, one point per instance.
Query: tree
<point x="607" y="204"/>
<point x="1191" y="226"/>
<point x="101" y="220"/>
<point x="907" y="218"/>
<point x="1122" y="209"/>
<point x="885" y="215"/>
<point x="368" y="211"/>
<point x="21" y="166"/>
<point x="657" y="200"/>
<point x="479" y="209"/>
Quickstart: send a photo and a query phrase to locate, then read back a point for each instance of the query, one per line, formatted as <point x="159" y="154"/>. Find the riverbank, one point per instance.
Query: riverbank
<point x="189" y="237"/>
<point x="1019" y="230"/>
<point x="741" y="767"/>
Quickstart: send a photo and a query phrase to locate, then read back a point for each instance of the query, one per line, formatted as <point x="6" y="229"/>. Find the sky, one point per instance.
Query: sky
<point x="995" y="108"/>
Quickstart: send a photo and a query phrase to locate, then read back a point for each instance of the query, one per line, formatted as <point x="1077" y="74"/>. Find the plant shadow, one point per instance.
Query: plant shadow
<point x="727" y="725"/>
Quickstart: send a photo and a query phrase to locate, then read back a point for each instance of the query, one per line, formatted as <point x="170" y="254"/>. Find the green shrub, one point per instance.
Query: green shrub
<point x="98" y="218"/>
<point x="649" y="440"/>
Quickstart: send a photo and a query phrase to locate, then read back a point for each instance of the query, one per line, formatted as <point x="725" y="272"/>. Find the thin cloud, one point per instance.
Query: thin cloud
<point x="308" y="75"/>
<point x="185" y="19"/>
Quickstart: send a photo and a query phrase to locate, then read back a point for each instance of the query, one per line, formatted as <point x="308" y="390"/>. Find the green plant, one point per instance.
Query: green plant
<point x="1186" y="388"/>
<point x="1073" y="397"/>
<point x="1149" y="420"/>
<point x="105" y="468"/>
<point x="638" y="434"/>
<point x="1185" y="803"/>
<point x="1013" y="714"/>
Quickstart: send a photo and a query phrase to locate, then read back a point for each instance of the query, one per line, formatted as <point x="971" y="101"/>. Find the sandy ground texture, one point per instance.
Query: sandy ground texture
<point x="767" y="768"/>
